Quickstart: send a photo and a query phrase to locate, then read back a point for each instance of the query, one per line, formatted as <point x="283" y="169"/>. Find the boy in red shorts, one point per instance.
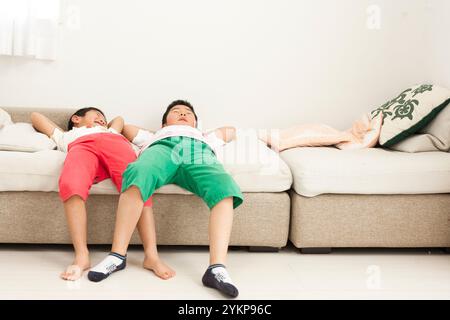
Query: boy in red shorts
<point x="95" y="151"/>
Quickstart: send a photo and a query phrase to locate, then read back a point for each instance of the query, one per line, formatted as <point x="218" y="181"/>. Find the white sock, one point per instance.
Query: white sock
<point x="216" y="276"/>
<point x="112" y="263"/>
<point x="221" y="274"/>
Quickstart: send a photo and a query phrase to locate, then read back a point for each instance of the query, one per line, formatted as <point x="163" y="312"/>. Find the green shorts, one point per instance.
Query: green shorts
<point x="186" y="162"/>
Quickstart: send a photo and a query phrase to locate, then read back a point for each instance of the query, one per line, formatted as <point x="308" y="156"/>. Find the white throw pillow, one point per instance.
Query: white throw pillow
<point x="5" y="118"/>
<point x="23" y="137"/>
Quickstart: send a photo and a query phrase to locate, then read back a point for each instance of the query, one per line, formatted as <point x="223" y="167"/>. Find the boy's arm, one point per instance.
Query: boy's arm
<point x="130" y="131"/>
<point x="117" y="124"/>
<point x="43" y="124"/>
<point x="227" y="134"/>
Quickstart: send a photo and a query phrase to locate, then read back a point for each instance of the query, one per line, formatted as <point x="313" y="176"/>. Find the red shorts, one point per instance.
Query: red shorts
<point x="94" y="158"/>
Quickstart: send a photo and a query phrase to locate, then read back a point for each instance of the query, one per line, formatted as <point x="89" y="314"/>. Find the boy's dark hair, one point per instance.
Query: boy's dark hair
<point x="177" y="103"/>
<point x="81" y="113"/>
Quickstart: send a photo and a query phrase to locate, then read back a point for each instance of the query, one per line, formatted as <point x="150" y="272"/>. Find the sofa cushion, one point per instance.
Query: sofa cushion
<point x="255" y="168"/>
<point x="367" y="171"/>
<point x="24" y="171"/>
<point x="410" y="111"/>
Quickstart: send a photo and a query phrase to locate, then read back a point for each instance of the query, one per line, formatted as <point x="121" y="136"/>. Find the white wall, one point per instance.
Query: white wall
<point x="252" y="63"/>
<point x="438" y="52"/>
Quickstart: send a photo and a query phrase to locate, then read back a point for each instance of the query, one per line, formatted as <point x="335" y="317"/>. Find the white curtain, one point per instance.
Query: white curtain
<point x="29" y="28"/>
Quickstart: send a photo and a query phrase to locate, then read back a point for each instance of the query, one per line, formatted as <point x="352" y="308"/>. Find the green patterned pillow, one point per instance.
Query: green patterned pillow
<point x="411" y="111"/>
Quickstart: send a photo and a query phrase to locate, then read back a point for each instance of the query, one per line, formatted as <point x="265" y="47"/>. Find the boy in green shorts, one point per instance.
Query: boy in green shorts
<point x="178" y="153"/>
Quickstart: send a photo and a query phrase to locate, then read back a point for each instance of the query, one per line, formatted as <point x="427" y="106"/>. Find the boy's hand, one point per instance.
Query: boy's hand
<point x="117" y="124"/>
<point x="43" y="124"/>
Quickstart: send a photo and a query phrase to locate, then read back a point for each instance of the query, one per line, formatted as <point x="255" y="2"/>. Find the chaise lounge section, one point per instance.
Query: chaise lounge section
<point x="368" y="198"/>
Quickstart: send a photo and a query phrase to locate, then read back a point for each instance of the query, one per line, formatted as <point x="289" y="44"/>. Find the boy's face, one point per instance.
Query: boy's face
<point x="92" y="118"/>
<point x="180" y="115"/>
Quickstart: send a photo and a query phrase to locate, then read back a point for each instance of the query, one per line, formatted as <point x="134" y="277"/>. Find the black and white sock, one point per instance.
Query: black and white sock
<point x="112" y="263"/>
<point x="216" y="276"/>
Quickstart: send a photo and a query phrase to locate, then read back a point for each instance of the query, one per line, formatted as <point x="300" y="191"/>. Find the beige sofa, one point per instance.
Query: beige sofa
<point x="31" y="212"/>
<point x="362" y="198"/>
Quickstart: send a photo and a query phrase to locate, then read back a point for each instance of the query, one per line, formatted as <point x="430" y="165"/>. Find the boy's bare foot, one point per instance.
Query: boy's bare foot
<point x="75" y="270"/>
<point x="159" y="268"/>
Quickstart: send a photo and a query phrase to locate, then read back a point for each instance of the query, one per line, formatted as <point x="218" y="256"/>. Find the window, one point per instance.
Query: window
<point x="29" y="28"/>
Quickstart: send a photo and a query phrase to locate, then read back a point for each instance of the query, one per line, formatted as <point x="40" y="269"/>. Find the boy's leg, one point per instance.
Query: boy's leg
<point x="128" y="214"/>
<point x="79" y="171"/>
<point x="116" y="155"/>
<point x="207" y="178"/>
<point x="76" y="216"/>
<point x="220" y="224"/>
<point x="153" y="169"/>
<point x="147" y="231"/>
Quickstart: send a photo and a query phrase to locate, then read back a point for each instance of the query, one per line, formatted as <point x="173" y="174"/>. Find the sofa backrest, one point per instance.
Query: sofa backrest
<point x="58" y="115"/>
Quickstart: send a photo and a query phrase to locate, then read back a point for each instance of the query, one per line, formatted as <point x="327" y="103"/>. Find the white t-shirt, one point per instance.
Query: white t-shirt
<point x="145" y="138"/>
<point x="63" y="139"/>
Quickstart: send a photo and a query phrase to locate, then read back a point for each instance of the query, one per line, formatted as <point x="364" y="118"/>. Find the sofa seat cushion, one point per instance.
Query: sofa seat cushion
<point x="30" y="171"/>
<point x="367" y="171"/>
<point x="255" y="169"/>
